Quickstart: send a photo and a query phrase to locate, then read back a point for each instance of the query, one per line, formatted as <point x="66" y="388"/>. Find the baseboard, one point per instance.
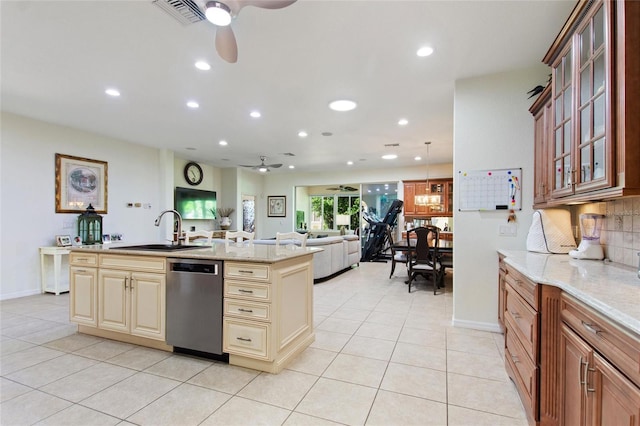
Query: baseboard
<point x="18" y="294"/>
<point x="475" y="325"/>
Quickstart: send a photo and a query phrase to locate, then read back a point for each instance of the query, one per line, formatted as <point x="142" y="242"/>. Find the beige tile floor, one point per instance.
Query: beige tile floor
<point x="381" y="356"/>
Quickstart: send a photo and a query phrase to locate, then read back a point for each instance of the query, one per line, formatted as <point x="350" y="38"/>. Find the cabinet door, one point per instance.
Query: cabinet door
<point x="616" y="399"/>
<point x="574" y="362"/>
<point x="409" y="198"/>
<point x="113" y="300"/>
<point x="562" y="72"/>
<point x="83" y="299"/>
<point x="438" y="188"/>
<point x="148" y="302"/>
<point x="542" y="140"/>
<point x="450" y="197"/>
<point x="594" y="144"/>
<point x="421" y="189"/>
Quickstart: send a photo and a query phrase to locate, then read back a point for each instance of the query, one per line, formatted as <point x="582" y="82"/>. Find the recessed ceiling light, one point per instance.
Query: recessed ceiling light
<point x="223" y="143"/>
<point x="389" y="156"/>
<point x="378" y="189"/>
<point x="424" y="51"/>
<point x="202" y="65"/>
<point x="193" y="104"/>
<point x="291" y="166"/>
<point x="112" y="92"/>
<point x="403" y="122"/>
<point x="349" y="163"/>
<point x="255" y="114"/>
<point x="343" y="105"/>
<point x="303" y="134"/>
<point x="417" y="158"/>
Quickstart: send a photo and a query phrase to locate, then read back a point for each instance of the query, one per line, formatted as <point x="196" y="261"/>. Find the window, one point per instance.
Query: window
<point x="325" y="208"/>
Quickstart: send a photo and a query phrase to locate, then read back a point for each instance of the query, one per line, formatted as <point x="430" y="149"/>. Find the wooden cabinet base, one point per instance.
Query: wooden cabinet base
<point x="284" y="357"/>
<point x="126" y="338"/>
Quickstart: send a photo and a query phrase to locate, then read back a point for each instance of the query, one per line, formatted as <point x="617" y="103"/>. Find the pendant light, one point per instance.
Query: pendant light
<point x="426" y="199"/>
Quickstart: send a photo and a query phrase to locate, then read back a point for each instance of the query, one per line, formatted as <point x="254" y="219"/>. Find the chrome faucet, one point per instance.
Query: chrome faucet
<point x="175" y="212"/>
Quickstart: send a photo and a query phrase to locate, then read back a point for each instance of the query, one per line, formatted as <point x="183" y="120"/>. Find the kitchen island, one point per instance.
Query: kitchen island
<point x="119" y="292"/>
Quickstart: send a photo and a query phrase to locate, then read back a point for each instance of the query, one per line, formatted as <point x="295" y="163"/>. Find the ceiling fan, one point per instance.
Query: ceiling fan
<point x="262" y="167"/>
<point x="220" y="13"/>
<point x="343" y="188"/>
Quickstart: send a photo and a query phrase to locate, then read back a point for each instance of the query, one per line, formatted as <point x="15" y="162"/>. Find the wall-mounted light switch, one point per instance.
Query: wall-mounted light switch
<point x="508" y="230"/>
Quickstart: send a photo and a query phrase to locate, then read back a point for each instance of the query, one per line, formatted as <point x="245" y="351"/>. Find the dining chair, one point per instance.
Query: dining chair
<point x="296" y="236"/>
<point x="424" y="259"/>
<point x="192" y="235"/>
<point x="397" y="255"/>
<point x="238" y="237"/>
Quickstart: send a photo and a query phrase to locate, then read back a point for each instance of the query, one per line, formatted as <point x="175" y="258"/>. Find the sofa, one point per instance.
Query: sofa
<point x="339" y="254"/>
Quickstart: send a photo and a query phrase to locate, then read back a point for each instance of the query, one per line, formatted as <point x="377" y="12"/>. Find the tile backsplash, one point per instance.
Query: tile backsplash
<point x="620" y="236"/>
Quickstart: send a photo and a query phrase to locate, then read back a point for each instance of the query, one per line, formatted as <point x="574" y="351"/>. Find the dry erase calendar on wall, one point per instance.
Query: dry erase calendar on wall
<point x="490" y="189"/>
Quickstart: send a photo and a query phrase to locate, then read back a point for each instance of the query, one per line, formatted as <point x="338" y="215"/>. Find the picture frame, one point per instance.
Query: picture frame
<point x="276" y="206"/>
<point x="80" y="182"/>
<point x="63" y="240"/>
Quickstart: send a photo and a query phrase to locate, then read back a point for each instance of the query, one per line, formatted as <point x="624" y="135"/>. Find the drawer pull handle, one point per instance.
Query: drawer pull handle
<point x="515" y="359"/>
<point x="516" y="315"/>
<point x="82" y="259"/>
<point x="242" y="271"/>
<point x="243" y="339"/>
<point x="81" y="270"/>
<point x="245" y="310"/>
<point x="242" y="290"/>
<point x="591" y="328"/>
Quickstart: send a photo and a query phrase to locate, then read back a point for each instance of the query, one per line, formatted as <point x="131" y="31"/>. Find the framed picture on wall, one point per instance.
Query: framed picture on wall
<point x="276" y="206"/>
<point x="80" y="182"/>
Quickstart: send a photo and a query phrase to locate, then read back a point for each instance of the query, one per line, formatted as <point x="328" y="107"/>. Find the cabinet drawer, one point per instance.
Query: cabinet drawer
<point x="248" y="310"/>
<point x="83" y="259"/>
<point x="523" y="319"/>
<point x="247" y="291"/>
<point x="619" y="346"/>
<point x="522" y="370"/>
<point x="133" y="263"/>
<point x="247" y="271"/>
<point x="524" y="286"/>
<point x="246" y="338"/>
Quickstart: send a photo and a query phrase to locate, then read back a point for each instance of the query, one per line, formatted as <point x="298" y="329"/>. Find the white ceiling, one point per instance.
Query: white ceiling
<point x="59" y="56"/>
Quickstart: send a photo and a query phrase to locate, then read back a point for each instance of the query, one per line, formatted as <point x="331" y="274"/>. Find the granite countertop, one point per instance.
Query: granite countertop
<point x="609" y="288"/>
<point x="245" y="252"/>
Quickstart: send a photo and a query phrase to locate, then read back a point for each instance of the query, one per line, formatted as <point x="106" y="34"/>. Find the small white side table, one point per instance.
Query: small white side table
<point x="57" y="253"/>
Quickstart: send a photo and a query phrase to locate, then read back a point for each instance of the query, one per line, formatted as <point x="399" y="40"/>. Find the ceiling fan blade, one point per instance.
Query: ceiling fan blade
<point x="226" y="44"/>
<point x="275" y="166"/>
<point x="236" y="5"/>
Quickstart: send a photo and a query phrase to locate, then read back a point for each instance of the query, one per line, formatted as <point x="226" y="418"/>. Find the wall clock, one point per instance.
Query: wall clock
<point x="193" y="173"/>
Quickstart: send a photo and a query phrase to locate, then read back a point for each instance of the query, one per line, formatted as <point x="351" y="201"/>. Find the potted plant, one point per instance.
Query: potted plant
<point x="223" y="214"/>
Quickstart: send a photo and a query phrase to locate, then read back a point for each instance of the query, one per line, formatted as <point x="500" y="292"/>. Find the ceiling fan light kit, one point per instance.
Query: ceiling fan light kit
<point x="218" y="13"/>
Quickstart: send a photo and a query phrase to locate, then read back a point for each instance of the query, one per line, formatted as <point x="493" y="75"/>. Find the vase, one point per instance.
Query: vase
<point x="225" y="222"/>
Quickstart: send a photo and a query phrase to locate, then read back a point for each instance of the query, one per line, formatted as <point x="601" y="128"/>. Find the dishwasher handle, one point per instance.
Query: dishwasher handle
<point x="202" y="268"/>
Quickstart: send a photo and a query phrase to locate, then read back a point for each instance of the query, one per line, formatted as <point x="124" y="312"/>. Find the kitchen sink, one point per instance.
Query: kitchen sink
<point x="159" y="247"/>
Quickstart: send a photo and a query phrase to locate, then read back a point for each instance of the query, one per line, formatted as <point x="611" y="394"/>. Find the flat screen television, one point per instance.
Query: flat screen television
<point x="195" y="203"/>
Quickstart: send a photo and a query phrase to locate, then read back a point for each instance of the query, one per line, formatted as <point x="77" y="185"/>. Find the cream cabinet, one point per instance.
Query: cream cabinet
<point x="268" y="312"/>
<point x="83" y="286"/>
<point x="131" y="301"/>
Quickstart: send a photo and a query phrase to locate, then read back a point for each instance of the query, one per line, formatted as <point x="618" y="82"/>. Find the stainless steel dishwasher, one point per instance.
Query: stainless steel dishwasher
<point x="194" y="305"/>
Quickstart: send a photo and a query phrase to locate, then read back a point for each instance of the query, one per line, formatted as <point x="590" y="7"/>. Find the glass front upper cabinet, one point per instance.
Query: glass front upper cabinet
<point x="562" y="122"/>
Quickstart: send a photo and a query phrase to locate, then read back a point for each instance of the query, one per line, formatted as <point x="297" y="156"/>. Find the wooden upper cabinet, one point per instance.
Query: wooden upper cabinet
<point x="591" y="154"/>
<point x="441" y="187"/>
<point x="541" y="110"/>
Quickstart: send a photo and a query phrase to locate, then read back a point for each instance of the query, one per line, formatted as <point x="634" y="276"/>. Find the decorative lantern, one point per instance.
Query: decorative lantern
<point x="90" y="226"/>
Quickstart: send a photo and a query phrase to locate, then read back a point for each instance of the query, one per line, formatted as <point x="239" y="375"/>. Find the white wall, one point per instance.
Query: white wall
<point x="493" y="129"/>
<point x="27" y="178"/>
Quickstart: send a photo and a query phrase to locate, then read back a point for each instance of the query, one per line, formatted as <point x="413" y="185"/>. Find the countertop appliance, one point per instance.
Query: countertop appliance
<point x="590" y="227"/>
<point x="194" y="305"/>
